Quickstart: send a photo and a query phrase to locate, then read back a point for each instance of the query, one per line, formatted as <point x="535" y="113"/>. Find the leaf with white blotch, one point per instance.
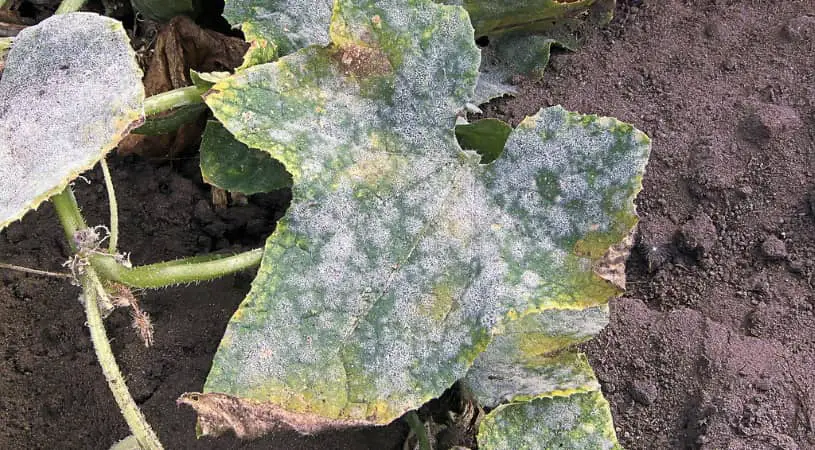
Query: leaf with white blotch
<point x="528" y="359"/>
<point x="229" y="164"/>
<point x="70" y="91"/>
<point x="507" y="56"/>
<point x="401" y="254"/>
<point x="279" y="27"/>
<point x="522" y="33"/>
<point x="580" y="421"/>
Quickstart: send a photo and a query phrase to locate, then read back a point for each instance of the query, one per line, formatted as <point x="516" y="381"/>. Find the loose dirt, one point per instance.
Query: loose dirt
<point x="712" y="347"/>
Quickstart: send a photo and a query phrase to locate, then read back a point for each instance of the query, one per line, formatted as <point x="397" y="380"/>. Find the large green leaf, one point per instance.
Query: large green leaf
<point x="401" y="254"/>
<point x="70" y="91"/>
<point x="231" y="165"/>
<point x="579" y="422"/>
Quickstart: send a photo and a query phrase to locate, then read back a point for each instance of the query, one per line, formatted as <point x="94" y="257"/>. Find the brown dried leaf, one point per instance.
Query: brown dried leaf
<point x="611" y="266"/>
<point x="182" y="45"/>
<point x="218" y="413"/>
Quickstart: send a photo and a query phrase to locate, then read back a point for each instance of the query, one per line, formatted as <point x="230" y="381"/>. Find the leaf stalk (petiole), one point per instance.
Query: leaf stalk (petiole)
<point x="114" y="207"/>
<point x="188" y="270"/>
<point x="69" y="6"/>
<point x="176" y="98"/>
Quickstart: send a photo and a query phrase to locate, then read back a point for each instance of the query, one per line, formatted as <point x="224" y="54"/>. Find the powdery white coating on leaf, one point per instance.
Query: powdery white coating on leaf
<point x="506" y="56"/>
<point x="70" y="91"/>
<point x="523" y="361"/>
<point x="290" y="24"/>
<point x="400" y="254"/>
<point x="579" y="422"/>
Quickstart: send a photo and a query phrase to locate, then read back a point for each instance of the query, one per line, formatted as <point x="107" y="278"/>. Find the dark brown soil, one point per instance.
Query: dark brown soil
<point x="712" y="347"/>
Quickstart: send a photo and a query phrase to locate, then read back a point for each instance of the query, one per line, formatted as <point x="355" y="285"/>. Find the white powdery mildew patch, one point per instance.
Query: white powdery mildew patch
<point x="568" y="152"/>
<point x="70" y="90"/>
<point x="432" y="80"/>
<point x="549" y="423"/>
<point x="291" y="24"/>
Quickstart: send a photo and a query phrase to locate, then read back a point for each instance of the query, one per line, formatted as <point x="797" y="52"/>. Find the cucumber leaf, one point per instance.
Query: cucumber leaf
<point x="401" y="255"/>
<point x="71" y="90"/>
<point x="521" y="35"/>
<point x="580" y="421"/>
<point x="230" y="165"/>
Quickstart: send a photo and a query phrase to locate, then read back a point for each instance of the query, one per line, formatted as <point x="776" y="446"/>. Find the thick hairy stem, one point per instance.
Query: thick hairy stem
<point x="188" y="270"/>
<point x="69" y="6"/>
<point x="166" y="101"/>
<point x="69" y="215"/>
<point x="114" y="208"/>
<point x="145" y="435"/>
<point x="72" y="221"/>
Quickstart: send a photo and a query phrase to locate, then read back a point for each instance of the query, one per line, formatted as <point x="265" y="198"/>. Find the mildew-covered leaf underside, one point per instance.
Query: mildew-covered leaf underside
<point x="401" y="255"/>
<point x="70" y="91"/>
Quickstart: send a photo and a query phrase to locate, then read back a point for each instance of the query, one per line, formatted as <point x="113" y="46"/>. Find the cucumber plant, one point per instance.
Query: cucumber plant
<point x="418" y="250"/>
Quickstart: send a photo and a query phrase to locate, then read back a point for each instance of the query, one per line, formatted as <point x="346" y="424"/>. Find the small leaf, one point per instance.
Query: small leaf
<point x="231" y="165"/>
<point x="521" y="35"/>
<point x="580" y="421"/>
<point x="70" y="91"/>
<point x="487" y="137"/>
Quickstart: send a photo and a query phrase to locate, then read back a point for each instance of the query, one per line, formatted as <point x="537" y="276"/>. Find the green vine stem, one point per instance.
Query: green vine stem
<point x="69" y="6"/>
<point x="114" y="207"/>
<point x="71" y="219"/>
<point x="144" y="434"/>
<point x="187" y="270"/>
<point x="69" y="215"/>
<point x="166" y="101"/>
